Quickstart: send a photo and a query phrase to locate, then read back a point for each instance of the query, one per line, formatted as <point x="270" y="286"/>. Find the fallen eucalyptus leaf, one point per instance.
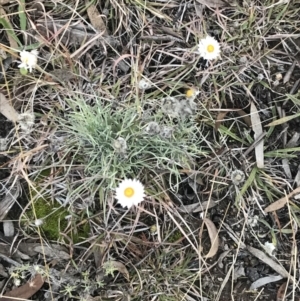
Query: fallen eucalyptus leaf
<point x="293" y="142"/>
<point x="283" y="120"/>
<point x="95" y="18"/>
<point x="281" y="292"/>
<point x="267" y="260"/>
<point x="8" y="228"/>
<point x="257" y="253"/>
<point x="289" y="72"/>
<point x="220" y="119"/>
<point x="9" y="199"/>
<point x="112" y="265"/>
<point x="213" y="236"/>
<point x="25" y="291"/>
<point x="221" y="115"/>
<point x="245" y="116"/>
<point x="281" y="202"/>
<point x="286" y="167"/>
<point x="7" y="250"/>
<point x="239" y="271"/>
<point x="53" y="251"/>
<point x="258" y="131"/>
<point x="197" y="207"/>
<point x="265" y="280"/>
<point x="221" y="257"/>
<point x="7" y="109"/>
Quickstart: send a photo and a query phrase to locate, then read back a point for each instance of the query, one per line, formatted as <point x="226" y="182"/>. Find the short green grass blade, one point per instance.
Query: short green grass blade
<point x="9" y="30"/>
<point x="246" y="185"/>
<point x="22" y="15"/>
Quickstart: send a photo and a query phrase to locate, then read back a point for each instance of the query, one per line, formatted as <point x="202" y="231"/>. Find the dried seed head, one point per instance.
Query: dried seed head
<point x="166" y="132"/>
<point x="253" y="220"/>
<point x="243" y="60"/>
<point x="120" y="145"/>
<point x="237" y="177"/>
<point x="26" y="121"/>
<point x="179" y="108"/>
<point x="152" y="128"/>
<point x="188" y="107"/>
<point x="171" y="106"/>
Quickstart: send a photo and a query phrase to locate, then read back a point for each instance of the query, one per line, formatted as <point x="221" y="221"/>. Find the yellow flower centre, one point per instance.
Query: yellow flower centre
<point x="189" y="93"/>
<point x="129" y="192"/>
<point x="210" y="48"/>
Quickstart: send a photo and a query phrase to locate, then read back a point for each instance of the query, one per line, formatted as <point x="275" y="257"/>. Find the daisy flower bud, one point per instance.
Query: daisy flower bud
<point x="152" y="128"/>
<point x="192" y="93"/>
<point x="130" y="192"/>
<point x="237" y="177"/>
<point x="166" y="132"/>
<point x="209" y="48"/>
<point x="120" y="145"/>
<point x="144" y="84"/>
<point x="171" y="106"/>
<point x="28" y="59"/>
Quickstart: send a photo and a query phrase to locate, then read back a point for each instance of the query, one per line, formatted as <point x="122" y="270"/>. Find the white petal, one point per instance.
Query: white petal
<point x="35" y="52"/>
<point x="22" y="65"/>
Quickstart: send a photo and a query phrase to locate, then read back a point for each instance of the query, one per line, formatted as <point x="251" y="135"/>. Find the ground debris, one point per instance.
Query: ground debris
<point x="25" y="291"/>
<point x="265" y="280"/>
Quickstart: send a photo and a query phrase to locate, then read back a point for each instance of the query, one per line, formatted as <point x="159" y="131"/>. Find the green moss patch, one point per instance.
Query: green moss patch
<point x="53" y="216"/>
<point x="55" y="221"/>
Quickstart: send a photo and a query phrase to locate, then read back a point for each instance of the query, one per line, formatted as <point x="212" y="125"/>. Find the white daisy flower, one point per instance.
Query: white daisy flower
<point x="209" y="48"/>
<point x="28" y="59"/>
<point x="130" y="192"/>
